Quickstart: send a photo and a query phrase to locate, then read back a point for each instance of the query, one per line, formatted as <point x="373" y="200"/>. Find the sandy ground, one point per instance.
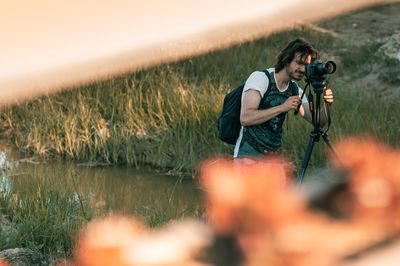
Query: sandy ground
<point x="381" y="25"/>
<point x="367" y="25"/>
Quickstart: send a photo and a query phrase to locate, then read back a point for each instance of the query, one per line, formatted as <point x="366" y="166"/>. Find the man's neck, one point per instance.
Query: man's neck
<point x="282" y="79"/>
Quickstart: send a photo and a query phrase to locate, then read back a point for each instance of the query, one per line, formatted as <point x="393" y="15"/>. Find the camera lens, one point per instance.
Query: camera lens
<point x="330" y="67"/>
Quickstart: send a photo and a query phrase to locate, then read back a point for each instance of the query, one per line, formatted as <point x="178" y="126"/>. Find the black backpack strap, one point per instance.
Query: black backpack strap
<point x="294" y="88"/>
<point x="270" y="81"/>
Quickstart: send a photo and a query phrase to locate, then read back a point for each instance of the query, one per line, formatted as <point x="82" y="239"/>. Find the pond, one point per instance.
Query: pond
<point x="144" y="193"/>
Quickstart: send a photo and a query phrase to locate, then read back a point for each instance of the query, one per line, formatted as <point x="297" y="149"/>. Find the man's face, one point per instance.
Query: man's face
<point x="297" y="68"/>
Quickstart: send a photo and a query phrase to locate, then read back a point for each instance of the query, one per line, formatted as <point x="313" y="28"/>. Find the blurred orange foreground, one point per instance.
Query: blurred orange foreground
<point x="267" y="219"/>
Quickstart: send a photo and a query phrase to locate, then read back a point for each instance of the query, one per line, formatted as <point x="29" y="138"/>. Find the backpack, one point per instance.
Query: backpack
<point x="228" y="122"/>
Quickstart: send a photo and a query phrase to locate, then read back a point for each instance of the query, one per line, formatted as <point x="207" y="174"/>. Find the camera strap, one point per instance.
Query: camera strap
<point x="301" y="98"/>
<point x="304" y="91"/>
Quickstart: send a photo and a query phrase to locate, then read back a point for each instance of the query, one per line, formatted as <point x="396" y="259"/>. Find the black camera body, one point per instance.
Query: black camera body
<point x="316" y="73"/>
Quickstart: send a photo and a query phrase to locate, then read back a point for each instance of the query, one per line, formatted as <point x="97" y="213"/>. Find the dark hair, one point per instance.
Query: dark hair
<point x="300" y="46"/>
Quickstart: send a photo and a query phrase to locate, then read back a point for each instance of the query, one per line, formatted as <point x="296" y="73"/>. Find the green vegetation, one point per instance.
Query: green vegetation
<point x="391" y="75"/>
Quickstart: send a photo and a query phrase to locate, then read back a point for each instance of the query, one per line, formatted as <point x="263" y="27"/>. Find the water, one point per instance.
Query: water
<point x="110" y="189"/>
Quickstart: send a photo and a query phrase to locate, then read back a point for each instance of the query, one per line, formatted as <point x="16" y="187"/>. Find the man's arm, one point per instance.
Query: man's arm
<point x="251" y="115"/>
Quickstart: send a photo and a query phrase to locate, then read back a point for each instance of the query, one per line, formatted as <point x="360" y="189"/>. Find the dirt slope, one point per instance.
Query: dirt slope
<point x="378" y="25"/>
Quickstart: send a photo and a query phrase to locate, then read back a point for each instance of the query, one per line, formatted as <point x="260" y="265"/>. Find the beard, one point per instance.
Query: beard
<point x="295" y="75"/>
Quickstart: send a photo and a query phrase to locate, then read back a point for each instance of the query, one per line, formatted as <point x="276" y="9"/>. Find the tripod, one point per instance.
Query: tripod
<point x="317" y="133"/>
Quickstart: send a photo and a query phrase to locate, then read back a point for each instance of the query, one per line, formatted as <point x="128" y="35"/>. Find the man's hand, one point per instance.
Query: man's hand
<point x="328" y="96"/>
<point x="291" y="103"/>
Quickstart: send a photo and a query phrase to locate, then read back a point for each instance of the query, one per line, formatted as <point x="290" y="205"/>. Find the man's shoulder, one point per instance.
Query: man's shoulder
<point x="257" y="76"/>
<point x="270" y="71"/>
<point x="262" y="74"/>
<point x="258" y="80"/>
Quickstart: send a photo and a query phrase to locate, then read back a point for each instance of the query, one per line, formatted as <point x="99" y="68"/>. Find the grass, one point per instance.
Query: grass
<point x="130" y="120"/>
<point x="44" y="218"/>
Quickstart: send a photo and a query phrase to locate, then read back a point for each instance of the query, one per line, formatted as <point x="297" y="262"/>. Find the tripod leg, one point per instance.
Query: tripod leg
<point x="328" y="143"/>
<point x="307" y="156"/>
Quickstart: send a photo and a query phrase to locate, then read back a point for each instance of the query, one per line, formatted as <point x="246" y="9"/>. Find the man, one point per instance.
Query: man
<point x="262" y="117"/>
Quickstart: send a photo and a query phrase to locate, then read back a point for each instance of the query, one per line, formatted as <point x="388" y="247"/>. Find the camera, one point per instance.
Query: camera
<point x="319" y="68"/>
<point x="316" y="72"/>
